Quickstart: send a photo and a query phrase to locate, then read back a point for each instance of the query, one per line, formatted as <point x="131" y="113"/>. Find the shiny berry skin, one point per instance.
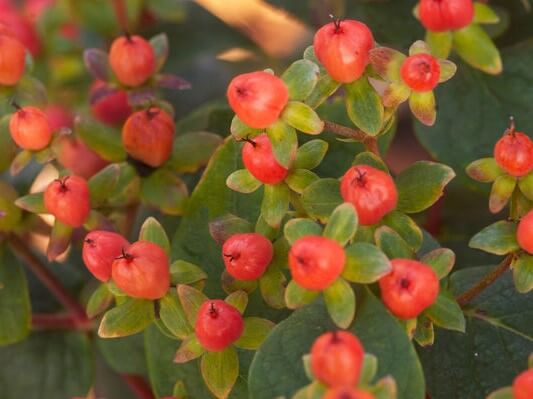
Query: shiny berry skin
<point x="347" y="393"/>
<point x="68" y="200"/>
<point x="316" y="262"/>
<point x="142" y="271"/>
<point x="421" y="72"/>
<point x="148" y="136"/>
<point x="12" y="54"/>
<point x="259" y="159"/>
<point x="524" y="232"/>
<point x="22" y="29"/>
<point x="523" y="385"/>
<point x="246" y="256"/>
<point x="109" y="105"/>
<point x="218" y="325"/>
<point x="257" y="98"/>
<point x="337" y="358"/>
<point x="371" y="191"/>
<point x="100" y="249"/>
<point x="30" y="129"/>
<point x="73" y="154"/>
<point x="343" y="47"/>
<point x="132" y="59"/>
<point x="445" y="15"/>
<point x="409" y="288"/>
<point x="514" y="153"/>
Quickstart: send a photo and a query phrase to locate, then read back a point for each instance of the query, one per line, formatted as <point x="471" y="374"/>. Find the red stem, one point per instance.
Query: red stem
<point x="434" y="218"/>
<point x="55" y="322"/>
<point x="122" y="16"/>
<point x="78" y="314"/>
<point x="138" y="385"/>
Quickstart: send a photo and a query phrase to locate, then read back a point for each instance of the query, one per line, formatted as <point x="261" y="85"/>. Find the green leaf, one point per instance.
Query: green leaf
<point x="310" y="154"/>
<point x="484" y="170"/>
<point x="124" y="354"/>
<point x="421" y="185"/>
<point x="96" y="221"/>
<point x="241" y="131"/>
<point x="182" y="272"/>
<point x="496" y="344"/>
<point x="320" y="198"/>
<point x="191" y="299"/>
<point x="526" y="186"/>
<point x="231" y="284"/>
<point x="365" y="263"/>
<point x="242" y="181"/>
<point x="340" y="302"/>
<point x="299" y="179"/>
<point x="255" y="332"/>
<point x="273" y="372"/>
<point x="441" y="261"/>
<point x="395" y="94"/>
<point x="102" y="139"/>
<point x="20" y="161"/>
<point x="165" y="190"/>
<point x="474" y="46"/>
<point x="225" y="226"/>
<point x="272" y="286"/>
<point x="447" y="70"/>
<point x="342" y="224"/>
<point x="33" y="203"/>
<point x="173" y="316"/>
<point x="179" y="391"/>
<point x="284" y="142"/>
<point x="501" y="192"/>
<point x="9" y="148"/>
<point x="60" y="365"/>
<point x="368" y="369"/>
<point x="275" y="203"/>
<point x="131" y="317"/>
<point x="160" y="46"/>
<point x="302" y="117"/>
<point x="446" y="313"/>
<point x="440" y="43"/>
<point x="59" y="240"/>
<point x="364" y="106"/>
<point x="301" y="78"/>
<point x="405" y="227"/>
<point x="385" y="388"/>
<point x="127" y="189"/>
<point x="370" y="159"/>
<point x="15" y="308"/>
<point x="324" y="88"/>
<point x="423" y="107"/>
<point x="152" y="231"/>
<point x="483" y="14"/>
<point x="424" y="333"/>
<point x="220" y="371"/>
<point x="103" y="183"/>
<point x="239" y="300"/>
<point x="523" y="273"/>
<point x="315" y="390"/>
<point x="191" y="151"/>
<point x="189" y="349"/>
<point x="297" y="296"/>
<point x="498" y="238"/>
<point x="392" y="244"/>
<point x="502" y="393"/>
<point x="99" y="301"/>
<point x="298" y="228"/>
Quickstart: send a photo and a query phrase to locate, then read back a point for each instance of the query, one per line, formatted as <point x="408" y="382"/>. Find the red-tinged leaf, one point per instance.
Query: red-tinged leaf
<point x="59" y="240"/>
<point x="97" y="63"/>
<point x="160" y="45"/>
<point x="189" y="349"/>
<point x="387" y="63"/>
<point x="423" y="107"/>
<point x="419" y="47"/>
<point x="395" y="94"/>
<point x="141" y="97"/>
<point x="447" y="70"/>
<point x="173" y="82"/>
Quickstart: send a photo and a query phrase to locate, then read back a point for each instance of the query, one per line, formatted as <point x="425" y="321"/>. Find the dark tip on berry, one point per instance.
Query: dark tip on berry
<point x="89" y="241"/>
<point x="336" y="23"/>
<point x="335" y="337"/>
<point x="212" y="311"/>
<point x="128" y="36"/>
<point x="345" y="395"/>
<point x="232" y="257"/>
<point x="125" y="255"/>
<point x="404" y="283"/>
<point x="15" y="105"/>
<point x="152" y="112"/>
<point x="512" y="127"/>
<point x="62" y="183"/>
<point x="360" y="179"/>
<point x="248" y="140"/>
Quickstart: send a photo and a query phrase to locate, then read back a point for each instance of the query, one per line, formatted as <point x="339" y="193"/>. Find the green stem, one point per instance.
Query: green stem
<point x="487" y="280"/>
<point x="370" y="142"/>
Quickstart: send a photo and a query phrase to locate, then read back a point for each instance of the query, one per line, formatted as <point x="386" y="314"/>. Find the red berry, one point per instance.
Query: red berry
<point x="100" y="249"/>
<point x="524" y="233"/>
<point x="22" y="29"/>
<point x="514" y="153"/>
<point x="347" y="393"/>
<point x="343" y="47"/>
<point x="218" y="325"/>
<point x="68" y="200"/>
<point x="371" y="191"/>
<point x="109" y="105"/>
<point x="421" y="72"/>
<point x="337" y="358"/>
<point x="259" y="159"/>
<point x="148" y="136"/>
<point x="523" y="385"/>
<point x="316" y="262"/>
<point x="73" y="154"/>
<point x="12" y="54"/>
<point x="444" y="15"/>
<point x="409" y="288"/>
<point x="257" y="98"/>
<point x="132" y="59"/>
<point x="30" y="129"/>
<point x="58" y="117"/>
<point x="246" y="256"/>
<point x="142" y="271"/>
